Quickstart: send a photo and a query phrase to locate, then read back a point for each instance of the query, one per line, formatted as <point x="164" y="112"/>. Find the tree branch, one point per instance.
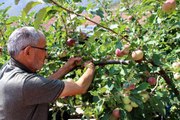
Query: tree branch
<point x="65" y="27"/>
<point x="166" y="78"/>
<point x="111" y="62"/>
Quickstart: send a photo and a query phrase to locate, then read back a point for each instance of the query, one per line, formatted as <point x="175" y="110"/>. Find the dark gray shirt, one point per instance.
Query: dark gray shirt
<point x="25" y="95"/>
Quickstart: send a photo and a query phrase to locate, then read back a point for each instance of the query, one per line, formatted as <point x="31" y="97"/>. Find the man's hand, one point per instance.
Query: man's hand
<point x="89" y="64"/>
<point x="73" y="62"/>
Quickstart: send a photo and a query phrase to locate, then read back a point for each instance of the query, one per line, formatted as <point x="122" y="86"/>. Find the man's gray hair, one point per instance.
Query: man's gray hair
<point x="21" y="38"/>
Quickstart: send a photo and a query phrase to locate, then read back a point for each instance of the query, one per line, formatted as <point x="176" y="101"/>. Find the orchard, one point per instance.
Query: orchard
<point x="137" y="56"/>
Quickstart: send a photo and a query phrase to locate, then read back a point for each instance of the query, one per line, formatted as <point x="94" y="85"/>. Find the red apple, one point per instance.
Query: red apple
<point x="128" y="107"/>
<point x="152" y="81"/>
<point x="169" y="5"/>
<point x="119" y="52"/>
<point x="130" y="17"/>
<point x="130" y="87"/>
<point x="116" y="113"/>
<point x="71" y="42"/>
<point x="137" y="55"/>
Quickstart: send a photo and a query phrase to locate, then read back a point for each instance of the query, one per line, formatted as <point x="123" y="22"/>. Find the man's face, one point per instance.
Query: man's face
<point x="39" y="55"/>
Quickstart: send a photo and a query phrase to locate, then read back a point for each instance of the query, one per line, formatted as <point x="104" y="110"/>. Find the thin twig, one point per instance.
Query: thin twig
<point x="157" y="82"/>
<point x="65" y="27"/>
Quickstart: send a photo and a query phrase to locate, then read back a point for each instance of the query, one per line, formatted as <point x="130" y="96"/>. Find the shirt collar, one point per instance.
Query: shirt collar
<point x="19" y="65"/>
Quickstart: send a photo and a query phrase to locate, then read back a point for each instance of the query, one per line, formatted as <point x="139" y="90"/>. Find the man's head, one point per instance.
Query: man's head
<point x="27" y="45"/>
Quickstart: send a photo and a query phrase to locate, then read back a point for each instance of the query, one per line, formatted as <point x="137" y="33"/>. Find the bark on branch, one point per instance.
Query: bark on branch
<point x="166" y="78"/>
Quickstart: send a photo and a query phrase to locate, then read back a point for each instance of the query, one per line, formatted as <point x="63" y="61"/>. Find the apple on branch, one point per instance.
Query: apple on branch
<point x="176" y="76"/>
<point x="152" y="81"/>
<point x="71" y="42"/>
<point x="169" y="6"/>
<point x="133" y="104"/>
<point x="176" y="66"/>
<point x="130" y="86"/>
<point x="119" y="52"/>
<point x="126" y="99"/>
<point x="116" y="113"/>
<point x="128" y="107"/>
<point x="137" y="55"/>
<point x="145" y="96"/>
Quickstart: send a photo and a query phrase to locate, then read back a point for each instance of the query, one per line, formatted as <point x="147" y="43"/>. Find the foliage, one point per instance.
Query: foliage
<point x="150" y="29"/>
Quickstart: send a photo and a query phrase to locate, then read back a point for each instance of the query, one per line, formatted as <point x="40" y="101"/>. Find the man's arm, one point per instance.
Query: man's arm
<point x="80" y="86"/>
<point x="72" y="62"/>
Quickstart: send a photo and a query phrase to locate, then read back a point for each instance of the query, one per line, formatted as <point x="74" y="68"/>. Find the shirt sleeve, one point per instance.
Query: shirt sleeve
<point x="38" y="90"/>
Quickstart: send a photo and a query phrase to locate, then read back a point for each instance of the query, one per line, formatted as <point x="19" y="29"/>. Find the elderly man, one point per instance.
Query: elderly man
<point x="25" y="95"/>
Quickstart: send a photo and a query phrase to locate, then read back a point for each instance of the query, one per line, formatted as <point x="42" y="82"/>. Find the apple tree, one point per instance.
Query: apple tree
<point x="135" y="47"/>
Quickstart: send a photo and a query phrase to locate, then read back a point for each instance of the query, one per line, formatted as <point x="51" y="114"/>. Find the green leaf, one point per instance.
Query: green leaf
<point x="118" y="44"/>
<point x="157" y="105"/>
<point x="98" y="12"/>
<point x="28" y="7"/>
<point x="17" y="1"/>
<point x="77" y="0"/>
<point x="142" y="86"/>
<point x="156" y="59"/>
<point x="40" y="16"/>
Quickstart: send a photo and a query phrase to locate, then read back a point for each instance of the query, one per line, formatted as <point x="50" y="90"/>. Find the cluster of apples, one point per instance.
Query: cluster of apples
<point x="176" y="69"/>
<point x="128" y="104"/>
<point x="169" y="6"/>
<point x="136" y="55"/>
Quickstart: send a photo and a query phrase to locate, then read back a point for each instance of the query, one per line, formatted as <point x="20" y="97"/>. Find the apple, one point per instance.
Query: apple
<point x="177" y="76"/>
<point x="71" y="42"/>
<point x="126" y="100"/>
<point x="133" y="104"/>
<point x="145" y="96"/>
<point x="116" y="113"/>
<point x="125" y="51"/>
<point x="131" y="87"/>
<point x="169" y="6"/>
<point x="137" y="55"/>
<point x="152" y="81"/>
<point x="119" y="52"/>
<point x="128" y="107"/>
<point x="130" y="17"/>
<point x="176" y="66"/>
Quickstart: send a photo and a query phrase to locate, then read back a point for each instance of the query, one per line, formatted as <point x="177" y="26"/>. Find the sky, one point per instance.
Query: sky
<point x="16" y="9"/>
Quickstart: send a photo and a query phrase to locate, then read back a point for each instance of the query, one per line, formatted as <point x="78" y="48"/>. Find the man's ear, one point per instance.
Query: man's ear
<point x="27" y="50"/>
